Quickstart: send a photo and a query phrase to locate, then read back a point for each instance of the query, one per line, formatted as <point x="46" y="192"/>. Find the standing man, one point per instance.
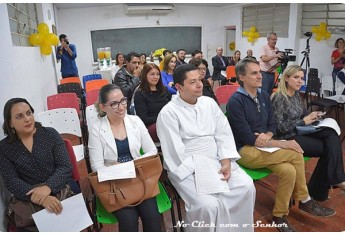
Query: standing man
<point x="67" y="53"/>
<point x="269" y="57"/>
<point x="128" y="78"/>
<point x="219" y="63"/>
<point x="251" y="118"/>
<point x="250" y="54"/>
<point x="193" y="129"/>
<point x="181" y="55"/>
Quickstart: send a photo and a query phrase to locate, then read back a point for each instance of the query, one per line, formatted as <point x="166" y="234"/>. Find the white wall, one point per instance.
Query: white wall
<point x="24" y="72"/>
<point x="77" y="23"/>
<point x="320" y="52"/>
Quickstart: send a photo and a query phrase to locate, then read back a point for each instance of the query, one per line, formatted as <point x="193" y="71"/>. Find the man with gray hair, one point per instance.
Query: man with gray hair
<point x="269" y="56"/>
<point x="251" y="118"/>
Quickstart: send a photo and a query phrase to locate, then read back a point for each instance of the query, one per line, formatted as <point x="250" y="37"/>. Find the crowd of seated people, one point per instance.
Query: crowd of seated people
<point x="177" y="107"/>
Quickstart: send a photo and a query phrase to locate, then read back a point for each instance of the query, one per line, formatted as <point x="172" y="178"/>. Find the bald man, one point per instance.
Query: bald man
<point x="219" y="63"/>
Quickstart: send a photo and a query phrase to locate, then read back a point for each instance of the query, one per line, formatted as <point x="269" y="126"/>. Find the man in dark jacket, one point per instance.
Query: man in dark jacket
<point x="128" y="77"/>
<point x="219" y="63"/>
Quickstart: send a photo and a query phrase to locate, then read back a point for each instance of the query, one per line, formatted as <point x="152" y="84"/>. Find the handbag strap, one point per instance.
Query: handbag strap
<point x="142" y="177"/>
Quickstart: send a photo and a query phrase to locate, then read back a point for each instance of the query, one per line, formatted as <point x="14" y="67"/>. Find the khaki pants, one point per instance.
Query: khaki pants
<point x="288" y="165"/>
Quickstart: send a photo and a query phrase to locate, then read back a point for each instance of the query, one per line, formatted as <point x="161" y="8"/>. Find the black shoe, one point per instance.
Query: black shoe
<point x="282" y="224"/>
<point x="314" y="208"/>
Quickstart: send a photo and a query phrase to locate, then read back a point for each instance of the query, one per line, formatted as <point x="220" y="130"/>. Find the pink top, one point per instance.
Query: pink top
<point x="267" y="51"/>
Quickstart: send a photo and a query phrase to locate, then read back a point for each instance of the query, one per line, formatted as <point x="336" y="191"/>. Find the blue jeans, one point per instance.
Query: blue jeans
<point x="334" y="76"/>
<point x="267" y="82"/>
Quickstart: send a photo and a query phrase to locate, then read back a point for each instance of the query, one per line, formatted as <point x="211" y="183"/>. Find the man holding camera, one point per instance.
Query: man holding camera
<point x="269" y="61"/>
<point x="67" y="53"/>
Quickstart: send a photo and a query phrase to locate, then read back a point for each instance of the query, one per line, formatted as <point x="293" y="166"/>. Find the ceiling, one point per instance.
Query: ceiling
<point x="86" y="5"/>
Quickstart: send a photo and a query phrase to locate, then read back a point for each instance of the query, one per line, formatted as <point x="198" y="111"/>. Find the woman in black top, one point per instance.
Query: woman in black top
<point x="151" y="97"/>
<point x="34" y="161"/>
<point x="289" y="112"/>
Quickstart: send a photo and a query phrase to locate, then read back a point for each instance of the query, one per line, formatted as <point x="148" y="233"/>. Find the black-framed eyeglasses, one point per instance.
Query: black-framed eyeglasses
<point x="257" y="103"/>
<point x="115" y="105"/>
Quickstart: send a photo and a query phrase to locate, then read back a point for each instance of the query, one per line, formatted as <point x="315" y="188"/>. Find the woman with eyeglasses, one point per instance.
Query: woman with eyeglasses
<point x="116" y="138"/>
<point x="289" y="112"/>
<point x="151" y="97"/>
<point x="202" y="65"/>
<point x="169" y="65"/>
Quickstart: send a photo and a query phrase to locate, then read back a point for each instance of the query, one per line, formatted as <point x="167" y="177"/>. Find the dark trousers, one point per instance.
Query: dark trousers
<point x="329" y="169"/>
<point x="128" y="217"/>
<point x="334" y="77"/>
<point x="267" y="82"/>
<point x="69" y="75"/>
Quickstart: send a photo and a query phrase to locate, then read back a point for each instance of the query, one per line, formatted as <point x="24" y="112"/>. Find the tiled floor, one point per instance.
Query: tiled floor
<point x="264" y="204"/>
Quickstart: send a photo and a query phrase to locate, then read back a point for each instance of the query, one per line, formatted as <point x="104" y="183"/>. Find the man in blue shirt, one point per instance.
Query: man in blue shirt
<point x="250" y="115"/>
<point x="67" y="53"/>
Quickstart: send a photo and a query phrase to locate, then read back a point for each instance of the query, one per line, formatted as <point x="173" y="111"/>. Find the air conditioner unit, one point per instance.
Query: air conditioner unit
<point x="146" y="9"/>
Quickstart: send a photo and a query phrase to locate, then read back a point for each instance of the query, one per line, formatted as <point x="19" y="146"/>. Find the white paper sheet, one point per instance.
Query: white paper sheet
<point x="268" y="149"/>
<point x="73" y="218"/>
<point x="124" y="170"/>
<point x="223" y="73"/>
<point x="331" y="123"/>
<point x="207" y="178"/>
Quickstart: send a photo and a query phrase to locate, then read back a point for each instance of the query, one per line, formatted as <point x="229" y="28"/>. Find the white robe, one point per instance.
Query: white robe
<point x="185" y="130"/>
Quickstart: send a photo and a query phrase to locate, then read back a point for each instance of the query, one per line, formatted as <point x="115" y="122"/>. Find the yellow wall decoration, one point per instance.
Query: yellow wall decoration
<point x="232" y="46"/>
<point x="252" y="34"/>
<point x="321" y="32"/>
<point x="44" y="39"/>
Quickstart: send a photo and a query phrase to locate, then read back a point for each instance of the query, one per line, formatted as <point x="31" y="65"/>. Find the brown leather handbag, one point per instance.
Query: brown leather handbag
<point x="119" y="193"/>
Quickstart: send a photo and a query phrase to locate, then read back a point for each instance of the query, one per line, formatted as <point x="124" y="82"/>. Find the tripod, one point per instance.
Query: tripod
<point x="307" y="64"/>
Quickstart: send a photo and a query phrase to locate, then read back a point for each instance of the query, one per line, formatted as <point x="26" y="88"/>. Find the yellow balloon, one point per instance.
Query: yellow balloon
<point x="35" y="39"/>
<point x="323" y="25"/>
<point x="328" y="35"/>
<point x="252" y="29"/>
<point x="250" y="39"/>
<point x="256" y="35"/>
<point x="43" y="28"/>
<point x="318" y="37"/>
<point x="245" y="33"/>
<point x="314" y="29"/>
<point x="46" y="49"/>
<point x="50" y="39"/>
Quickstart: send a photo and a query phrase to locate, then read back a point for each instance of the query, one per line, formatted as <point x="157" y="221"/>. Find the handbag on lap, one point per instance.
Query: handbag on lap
<point x="119" y="193"/>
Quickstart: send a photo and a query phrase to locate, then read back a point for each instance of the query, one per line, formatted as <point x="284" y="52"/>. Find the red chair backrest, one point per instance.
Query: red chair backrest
<point x="223" y="93"/>
<point x="95" y="84"/>
<point x="230" y="72"/>
<point x="63" y="100"/>
<point x="70" y="80"/>
<point x="92" y="96"/>
<point x="72" y="157"/>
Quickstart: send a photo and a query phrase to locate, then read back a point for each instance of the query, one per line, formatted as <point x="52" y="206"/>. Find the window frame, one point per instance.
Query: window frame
<point x="25" y="22"/>
<point x="270" y="17"/>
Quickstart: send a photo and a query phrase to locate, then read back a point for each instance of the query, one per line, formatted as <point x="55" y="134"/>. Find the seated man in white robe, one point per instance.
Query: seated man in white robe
<point x="192" y="127"/>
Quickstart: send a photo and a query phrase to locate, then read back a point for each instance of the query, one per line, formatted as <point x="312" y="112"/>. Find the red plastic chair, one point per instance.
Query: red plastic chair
<point x="92" y="96"/>
<point x="95" y="84"/>
<point x="70" y="80"/>
<point x="223" y="93"/>
<point x="73" y="159"/>
<point x="230" y="72"/>
<point x="63" y="100"/>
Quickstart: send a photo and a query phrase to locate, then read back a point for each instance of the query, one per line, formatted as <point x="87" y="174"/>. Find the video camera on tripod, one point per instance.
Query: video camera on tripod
<point x="286" y="57"/>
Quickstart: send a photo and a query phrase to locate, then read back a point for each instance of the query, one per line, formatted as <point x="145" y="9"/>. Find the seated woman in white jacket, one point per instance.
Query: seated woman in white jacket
<point x="118" y="137"/>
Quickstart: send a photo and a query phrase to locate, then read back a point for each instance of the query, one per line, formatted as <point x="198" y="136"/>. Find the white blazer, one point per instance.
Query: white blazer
<point x="102" y="145"/>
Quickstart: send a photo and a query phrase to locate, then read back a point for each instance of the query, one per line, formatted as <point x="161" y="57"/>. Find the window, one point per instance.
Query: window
<point x="332" y="14"/>
<point x="23" y="22"/>
<point x="267" y="18"/>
